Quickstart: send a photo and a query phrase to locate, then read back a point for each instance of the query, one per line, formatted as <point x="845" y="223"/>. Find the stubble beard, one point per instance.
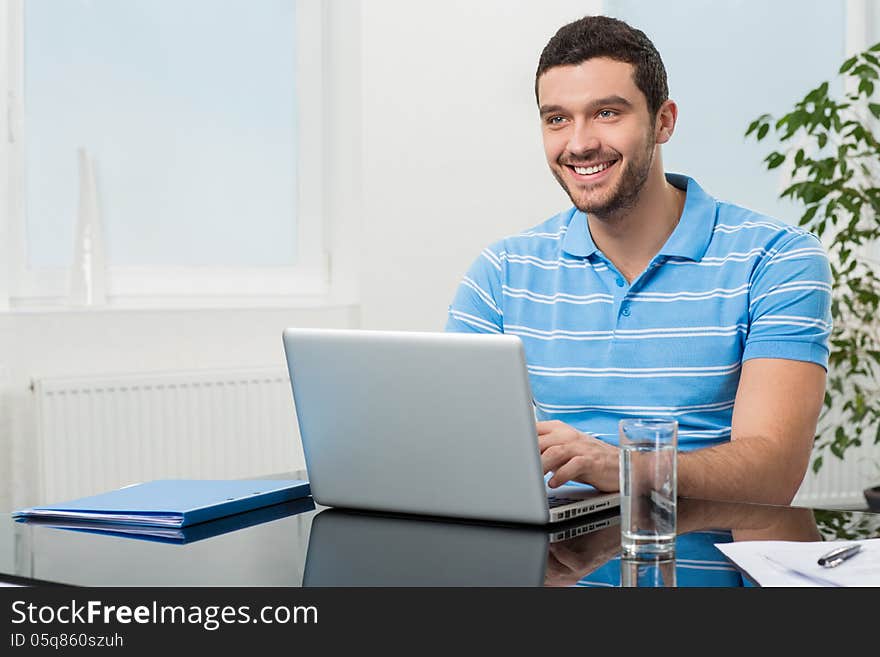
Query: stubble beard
<point x="624" y="196"/>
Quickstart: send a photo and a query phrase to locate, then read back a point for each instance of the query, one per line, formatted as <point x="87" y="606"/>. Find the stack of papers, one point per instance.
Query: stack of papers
<point x="173" y="503"/>
<point x="791" y="563"/>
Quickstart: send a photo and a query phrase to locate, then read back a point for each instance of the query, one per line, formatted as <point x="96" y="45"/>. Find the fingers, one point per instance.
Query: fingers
<point x="547" y="426"/>
<point x="558" y="447"/>
<point x="574" y="456"/>
<point x="555" y="432"/>
<point x="552" y="440"/>
<point x="577" y="468"/>
<point x="583" y="462"/>
<point x="556" y="456"/>
<point x="568" y="463"/>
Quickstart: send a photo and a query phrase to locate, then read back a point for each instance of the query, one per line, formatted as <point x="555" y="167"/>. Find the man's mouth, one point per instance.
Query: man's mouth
<point x="591" y="169"/>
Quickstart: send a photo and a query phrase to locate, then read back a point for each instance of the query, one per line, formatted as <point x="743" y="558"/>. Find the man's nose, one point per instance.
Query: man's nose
<point x="584" y="139"/>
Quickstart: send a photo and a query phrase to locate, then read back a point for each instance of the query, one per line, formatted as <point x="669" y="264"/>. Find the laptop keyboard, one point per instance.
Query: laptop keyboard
<point x="555" y="501"/>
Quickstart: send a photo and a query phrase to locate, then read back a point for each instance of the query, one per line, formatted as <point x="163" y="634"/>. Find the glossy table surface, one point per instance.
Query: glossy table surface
<point x="299" y="544"/>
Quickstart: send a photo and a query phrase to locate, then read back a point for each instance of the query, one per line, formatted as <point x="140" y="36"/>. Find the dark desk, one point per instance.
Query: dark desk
<point x="297" y="545"/>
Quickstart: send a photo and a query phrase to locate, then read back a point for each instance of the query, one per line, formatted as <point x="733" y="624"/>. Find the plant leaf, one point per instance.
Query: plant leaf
<point x="849" y="63"/>
<point x="774" y="160"/>
<point x="808" y="215"/>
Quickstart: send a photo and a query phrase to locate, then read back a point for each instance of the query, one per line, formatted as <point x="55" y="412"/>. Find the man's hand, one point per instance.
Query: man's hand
<point x="576" y="456"/>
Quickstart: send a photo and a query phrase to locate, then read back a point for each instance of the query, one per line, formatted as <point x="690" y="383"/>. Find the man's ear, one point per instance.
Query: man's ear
<point x="664" y="126"/>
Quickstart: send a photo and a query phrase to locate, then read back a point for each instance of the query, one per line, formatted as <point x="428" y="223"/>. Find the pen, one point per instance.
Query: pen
<point x="839" y="555"/>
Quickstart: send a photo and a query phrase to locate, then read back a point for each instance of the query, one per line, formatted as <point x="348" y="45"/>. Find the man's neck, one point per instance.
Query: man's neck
<point x="633" y="238"/>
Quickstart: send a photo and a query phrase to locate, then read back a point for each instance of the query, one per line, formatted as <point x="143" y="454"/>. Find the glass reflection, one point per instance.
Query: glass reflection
<point x="696" y="562"/>
<point x="653" y="572"/>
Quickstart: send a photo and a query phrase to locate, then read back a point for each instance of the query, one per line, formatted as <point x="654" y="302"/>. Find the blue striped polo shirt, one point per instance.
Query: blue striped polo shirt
<point x="729" y="284"/>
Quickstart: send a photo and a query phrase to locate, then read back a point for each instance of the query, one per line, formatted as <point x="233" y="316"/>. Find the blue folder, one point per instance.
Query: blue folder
<point x="179" y="535"/>
<point x="173" y="502"/>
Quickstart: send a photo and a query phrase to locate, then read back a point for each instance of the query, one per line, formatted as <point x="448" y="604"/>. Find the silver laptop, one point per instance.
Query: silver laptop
<point x="349" y="548"/>
<point x="426" y="423"/>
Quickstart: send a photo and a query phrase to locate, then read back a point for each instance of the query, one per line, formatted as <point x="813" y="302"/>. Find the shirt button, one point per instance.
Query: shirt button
<point x="625" y="311"/>
<point x="619" y="282"/>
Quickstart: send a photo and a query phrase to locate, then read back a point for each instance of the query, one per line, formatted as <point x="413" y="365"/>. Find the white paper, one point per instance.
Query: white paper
<point x="792" y="563"/>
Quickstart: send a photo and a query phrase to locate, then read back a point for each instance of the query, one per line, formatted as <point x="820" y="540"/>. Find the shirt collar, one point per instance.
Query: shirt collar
<point x="691" y="236"/>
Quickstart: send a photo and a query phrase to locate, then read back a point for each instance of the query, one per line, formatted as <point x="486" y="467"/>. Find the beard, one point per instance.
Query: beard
<point x="620" y="198"/>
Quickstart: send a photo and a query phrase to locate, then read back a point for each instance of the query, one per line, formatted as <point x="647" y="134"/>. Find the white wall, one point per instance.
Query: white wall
<point x="452" y="144"/>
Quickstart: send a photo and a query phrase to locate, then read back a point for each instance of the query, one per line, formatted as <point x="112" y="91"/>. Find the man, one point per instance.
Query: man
<point x="649" y="297"/>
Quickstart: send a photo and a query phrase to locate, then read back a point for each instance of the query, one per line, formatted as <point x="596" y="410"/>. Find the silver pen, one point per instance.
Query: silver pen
<point x="839" y="555"/>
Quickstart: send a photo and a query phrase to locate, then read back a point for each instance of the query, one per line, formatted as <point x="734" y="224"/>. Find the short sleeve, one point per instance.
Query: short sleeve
<point x="477" y="305"/>
<point x="790" y="303"/>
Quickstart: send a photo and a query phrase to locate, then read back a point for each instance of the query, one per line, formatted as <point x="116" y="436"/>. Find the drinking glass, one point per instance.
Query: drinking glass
<point x="648" y="486"/>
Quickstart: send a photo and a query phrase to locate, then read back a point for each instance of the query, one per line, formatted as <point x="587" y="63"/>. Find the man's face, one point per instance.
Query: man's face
<point x="598" y="134"/>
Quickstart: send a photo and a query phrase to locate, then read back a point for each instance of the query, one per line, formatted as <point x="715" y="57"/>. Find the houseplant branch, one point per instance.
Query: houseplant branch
<point x="832" y="157"/>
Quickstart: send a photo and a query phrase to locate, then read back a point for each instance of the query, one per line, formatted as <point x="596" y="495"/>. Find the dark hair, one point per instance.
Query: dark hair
<point x="602" y="36"/>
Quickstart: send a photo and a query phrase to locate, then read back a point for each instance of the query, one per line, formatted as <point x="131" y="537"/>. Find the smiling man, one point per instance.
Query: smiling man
<point x="649" y="297"/>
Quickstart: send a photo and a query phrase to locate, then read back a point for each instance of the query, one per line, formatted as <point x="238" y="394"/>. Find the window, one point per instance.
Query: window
<point x="194" y="126"/>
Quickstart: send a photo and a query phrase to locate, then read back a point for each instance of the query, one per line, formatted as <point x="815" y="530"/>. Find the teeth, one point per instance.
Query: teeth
<point x="586" y="171"/>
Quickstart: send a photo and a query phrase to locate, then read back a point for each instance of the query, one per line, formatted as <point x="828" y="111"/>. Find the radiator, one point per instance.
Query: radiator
<point x="840" y="483"/>
<point x="100" y="433"/>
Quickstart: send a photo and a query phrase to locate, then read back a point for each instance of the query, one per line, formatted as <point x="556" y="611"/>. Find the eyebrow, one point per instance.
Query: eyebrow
<point x="599" y="102"/>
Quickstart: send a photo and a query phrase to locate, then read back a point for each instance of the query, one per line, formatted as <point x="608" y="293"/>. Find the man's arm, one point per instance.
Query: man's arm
<point x="774" y="421"/>
<point x="476" y="307"/>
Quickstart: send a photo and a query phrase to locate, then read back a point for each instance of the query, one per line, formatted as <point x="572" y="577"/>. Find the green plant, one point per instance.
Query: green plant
<point x="833" y="159"/>
<point x="846" y="525"/>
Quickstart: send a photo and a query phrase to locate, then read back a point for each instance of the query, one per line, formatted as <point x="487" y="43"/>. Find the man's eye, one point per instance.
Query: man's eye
<point x="607" y="114"/>
<point x="555" y="120"/>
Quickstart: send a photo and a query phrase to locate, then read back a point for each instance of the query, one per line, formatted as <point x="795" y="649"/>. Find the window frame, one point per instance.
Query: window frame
<point x="23" y="286"/>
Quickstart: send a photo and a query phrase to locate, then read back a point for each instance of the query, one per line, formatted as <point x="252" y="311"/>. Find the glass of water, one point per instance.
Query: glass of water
<point x="648" y="483"/>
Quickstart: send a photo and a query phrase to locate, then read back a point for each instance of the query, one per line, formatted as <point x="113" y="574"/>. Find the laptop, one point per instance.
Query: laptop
<point x="352" y="548"/>
<point x="431" y="423"/>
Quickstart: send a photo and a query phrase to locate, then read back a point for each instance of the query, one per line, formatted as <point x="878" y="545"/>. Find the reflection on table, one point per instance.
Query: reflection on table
<point x="295" y="544"/>
<point x="595" y="560"/>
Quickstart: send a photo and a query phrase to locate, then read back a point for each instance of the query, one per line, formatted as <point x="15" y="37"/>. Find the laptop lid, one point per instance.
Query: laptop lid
<point x="425" y="423"/>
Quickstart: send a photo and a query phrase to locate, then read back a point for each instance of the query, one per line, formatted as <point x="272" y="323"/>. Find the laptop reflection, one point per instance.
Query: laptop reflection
<point x="348" y="548"/>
